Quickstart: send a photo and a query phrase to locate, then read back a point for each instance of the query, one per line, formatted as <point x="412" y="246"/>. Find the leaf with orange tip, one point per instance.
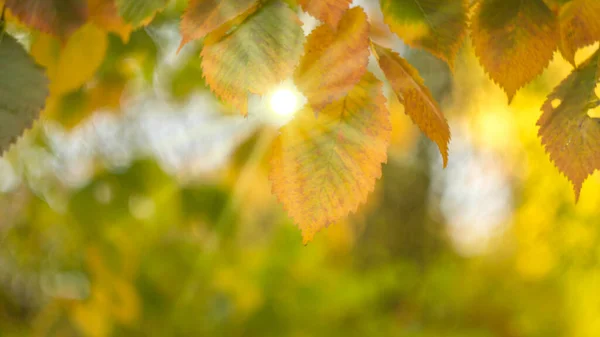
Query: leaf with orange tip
<point x="260" y="53"/>
<point x="334" y="61"/>
<point x="418" y="102"/>
<point x="514" y="40"/>
<point x="328" y="11"/>
<point x="437" y="26"/>
<point x="56" y="17"/>
<point x="323" y="168"/>
<point x="579" y="26"/>
<point x="204" y="16"/>
<point x="571" y="137"/>
<point x="104" y="14"/>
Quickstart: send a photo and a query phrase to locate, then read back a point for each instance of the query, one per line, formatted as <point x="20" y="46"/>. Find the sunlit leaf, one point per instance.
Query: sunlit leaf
<point x="328" y="11"/>
<point x="571" y="137"/>
<point x="136" y="11"/>
<point x="418" y="102"/>
<point x="57" y="17"/>
<point x="334" y="61"/>
<point x="514" y="40"/>
<point x="104" y="14"/>
<point x="438" y="26"/>
<point x="579" y="26"/>
<point x="323" y="168"/>
<point x="23" y="91"/>
<point x="72" y="65"/>
<point x="256" y="56"/>
<point x="204" y="16"/>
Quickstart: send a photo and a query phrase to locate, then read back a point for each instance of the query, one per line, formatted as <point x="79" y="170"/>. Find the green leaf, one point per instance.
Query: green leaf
<point x="136" y="11"/>
<point x="23" y="91"/>
<point x="437" y="26"/>
<point x="255" y="57"/>
<point x="571" y="137"/>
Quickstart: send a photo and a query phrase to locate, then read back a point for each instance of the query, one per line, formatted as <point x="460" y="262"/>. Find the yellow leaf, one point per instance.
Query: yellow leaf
<point x="204" y="16"/>
<point x="571" y="137"/>
<point x="514" y="40"/>
<point x="334" y="61"/>
<point x="104" y="14"/>
<point x="418" y="102"/>
<point x="324" y="168"/>
<point x="579" y="26"/>
<point x="437" y="26"/>
<point x="57" y="17"/>
<point x="255" y="57"/>
<point x="328" y="11"/>
<point x="70" y="66"/>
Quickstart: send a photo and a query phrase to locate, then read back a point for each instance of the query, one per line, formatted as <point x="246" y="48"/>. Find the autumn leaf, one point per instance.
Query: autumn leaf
<point x="259" y="54"/>
<point x="328" y="11"/>
<point x="571" y="137"/>
<point x="437" y="26"/>
<point x="334" y="61"/>
<point x="136" y="11"/>
<point x="23" y="91"/>
<point x="418" y="102"/>
<point x="204" y="16"/>
<point x="104" y="14"/>
<point x="323" y="168"/>
<point x="71" y="65"/>
<point x="579" y="22"/>
<point x="56" y="17"/>
<point x="514" y="40"/>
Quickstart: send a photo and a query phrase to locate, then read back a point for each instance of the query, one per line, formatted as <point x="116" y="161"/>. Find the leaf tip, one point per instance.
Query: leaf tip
<point x="184" y="41"/>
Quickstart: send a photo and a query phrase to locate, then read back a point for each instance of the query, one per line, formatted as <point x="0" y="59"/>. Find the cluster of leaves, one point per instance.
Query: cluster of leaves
<point x="327" y="160"/>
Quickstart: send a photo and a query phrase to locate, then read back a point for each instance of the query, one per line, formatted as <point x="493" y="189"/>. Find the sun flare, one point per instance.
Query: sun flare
<point x="284" y="102"/>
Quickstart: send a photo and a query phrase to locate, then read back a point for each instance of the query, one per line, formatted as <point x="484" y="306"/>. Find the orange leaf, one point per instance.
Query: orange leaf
<point x="437" y="26"/>
<point x="204" y="16"/>
<point x="579" y="26"/>
<point x="104" y="14"/>
<point x="324" y="168"/>
<point x="418" y="102"/>
<point x="256" y="56"/>
<point x="334" y="61"/>
<point x="328" y="11"/>
<point x="57" y="17"/>
<point x="571" y="137"/>
<point x="514" y="40"/>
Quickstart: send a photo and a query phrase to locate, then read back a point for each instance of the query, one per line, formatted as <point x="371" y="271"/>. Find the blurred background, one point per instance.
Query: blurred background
<point x="141" y="206"/>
